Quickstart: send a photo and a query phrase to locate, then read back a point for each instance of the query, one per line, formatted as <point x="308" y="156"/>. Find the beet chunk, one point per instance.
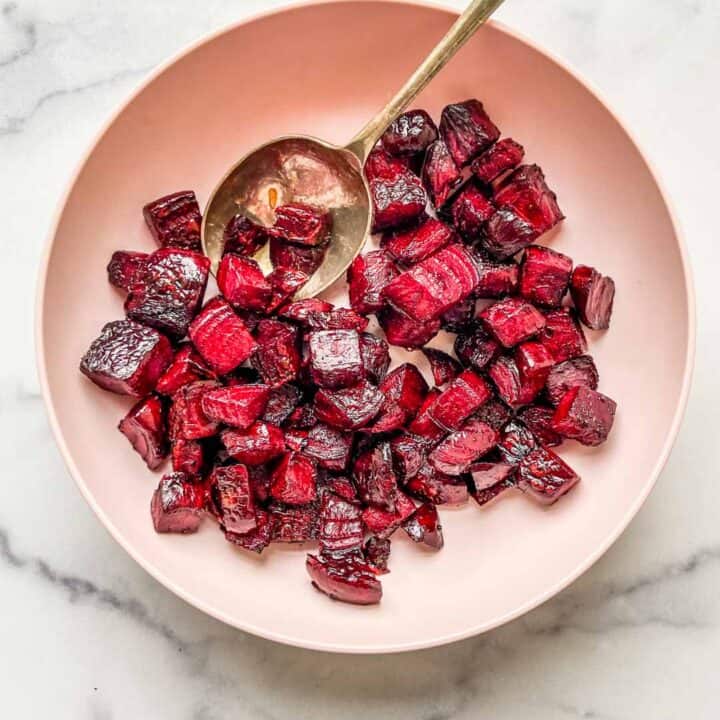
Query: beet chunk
<point x="562" y="335"/>
<point x="295" y="439"/>
<point x="462" y="397"/>
<point x="282" y="401"/>
<point x="242" y="282"/>
<point x="367" y="276"/>
<point x="423" y="425"/>
<point x="305" y="258"/>
<point x="512" y="320"/>
<point x="497" y="279"/>
<point x="257" y="539"/>
<point x="505" y="375"/>
<point x="335" y="358"/>
<point x="569" y="374"/>
<point x="516" y="442"/>
<point x="506" y="233"/>
<point x="300" y="310"/>
<point x="145" y="427"/>
<point x="494" y="412"/>
<point x="432" y="486"/>
<point x="341" y="527"/>
<point x="403" y="331"/>
<point x="539" y="419"/>
<point x="375" y="477"/>
<point x="584" y="415"/>
<point x="285" y="282"/>
<point x="293" y="524"/>
<point x="243" y="237"/>
<point x="476" y="349"/>
<point x="485" y="475"/>
<point x="238" y="406"/>
<point x="302" y="224"/>
<point x="461" y="317"/>
<point x="187" y="366"/>
<point x="483" y="497"/>
<point x="505" y="155"/>
<point x="410" y="133"/>
<point x="444" y="367"/>
<point x="345" y="577"/>
<point x="176" y="504"/>
<point x="375" y="356"/>
<point x="467" y="130"/>
<point x="534" y="363"/>
<point x="398" y="198"/>
<point x="259" y="444"/>
<point x="187" y="418"/>
<point x="423" y="526"/>
<point x="440" y="173"/>
<point x="545" y="476"/>
<point x="174" y="220"/>
<point x="377" y="554"/>
<point x="544" y="276"/>
<point x="383" y="523"/>
<point x="127" y="358"/>
<point x="411" y="245"/>
<point x="593" y="295"/>
<point x="233" y="498"/>
<point x="336" y="319"/>
<point x="294" y="481"/>
<point x="221" y="337"/>
<point x="348" y="408"/>
<point x="470" y="210"/>
<point x="406" y="386"/>
<point x="124" y="267"/>
<point x="455" y="454"/>
<point x="409" y="453"/>
<point x="276" y="357"/>
<point x="329" y="447"/>
<point x="187" y="456"/>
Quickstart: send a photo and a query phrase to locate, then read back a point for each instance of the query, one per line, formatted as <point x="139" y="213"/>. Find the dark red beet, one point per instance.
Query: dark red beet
<point x="383" y="523"/>
<point x="544" y="476"/>
<point x="344" y="577"/>
<point x="544" y="276"/>
<point x="494" y="413"/>
<point x="539" y="419"/>
<point x="187" y="419"/>
<point x="335" y="358"/>
<point x="242" y="282"/>
<point x="403" y="331"/>
<point x="562" y="335"/>
<point x="483" y="497"/>
<point x="423" y="425"/>
<point x="221" y="337"/>
<point x="146" y="429"/>
<point x="593" y="295"/>
<point x="512" y="321"/>
<point x="497" y="279"/>
<point x="470" y="210"/>
<point x="569" y="374"/>
<point x="127" y="358"/>
<point x="348" y="408"/>
<point x="276" y="357"/>
<point x="406" y="386"/>
<point x="462" y="397"/>
<point x="444" y="367"/>
<point x="329" y="447"/>
<point x="233" y="498"/>
<point x="423" y="526"/>
<point x="301" y="418"/>
<point x="168" y="293"/>
<point x="391" y="417"/>
<point x="302" y="224"/>
<point x="467" y="130"/>
<point x="341" y="527"/>
<point x="375" y="356"/>
<point x="505" y="155"/>
<point x="187" y="456"/>
<point x="125" y="267"/>
<point x="295" y="440"/>
<point x="238" y="406"/>
<point x="476" y="349"/>
<point x="305" y="258"/>
<point x="584" y="415"/>
<point x="506" y="233"/>
<point x="337" y="319"/>
<point x="174" y="220"/>
<point x="176" y="504"/>
<point x="409" y="453"/>
<point x="260" y="443"/>
<point x="516" y="442"/>
<point x="367" y="276"/>
<point x="410" y="133"/>
<point x="455" y="454"/>
<point x="411" y="245"/>
<point x="257" y="539"/>
<point x="282" y="401"/>
<point x="381" y="164"/>
<point x="488" y="474"/>
<point x="375" y="477"/>
<point x="377" y="554"/>
<point x="510" y="386"/>
<point x="440" y="173"/>
<point x="187" y="366"/>
<point x="460" y="318"/>
<point x="534" y="363"/>
<point x="294" y="524"/>
<point x="285" y="282"/>
<point x="398" y="199"/>
<point x="431" y="486"/>
<point x="294" y="480"/>
<point x="243" y="236"/>
<point x="300" y="310"/>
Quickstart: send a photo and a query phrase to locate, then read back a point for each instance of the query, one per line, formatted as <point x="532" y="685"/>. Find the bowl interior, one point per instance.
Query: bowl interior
<point x="286" y="74"/>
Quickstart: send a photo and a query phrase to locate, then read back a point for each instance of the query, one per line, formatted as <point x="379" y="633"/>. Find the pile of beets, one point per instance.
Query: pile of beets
<point x="280" y="417"/>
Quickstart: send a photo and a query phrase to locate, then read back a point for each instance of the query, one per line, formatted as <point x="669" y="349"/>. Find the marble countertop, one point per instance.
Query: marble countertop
<point x="86" y="634"/>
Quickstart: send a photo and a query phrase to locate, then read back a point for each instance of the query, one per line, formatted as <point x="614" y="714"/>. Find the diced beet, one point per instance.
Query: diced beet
<point x="470" y="210"/>
<point x="411" y="245"/>
<point x="329" y="447"/>
<point x="455" y="454"/>
<point x="409" y="453"/>
<point x="299" y="310"/>
<point x="276" y="357"/>
<point x="410" y="133"/>
<point x="302" y="224"/>
<point x="295" y="440"/>
<point x="341" y="527"/>
<point x="397" y="200"/>
<point x="282" y="401"/>
<point x="534" y="363"/>
<point x="187" y="366"/>
<point x="125" y="267"/>
<point x="230" y="488"/>
<point x="260" y="443"/>
<point x="544" y="276"/>
<point x="285" y="282"/>
<point x="381" y="164"/>
<point x="257" y="539"/>
<point x="506" y="233"/>
<point x="476" y="349"/>
<point x="367" y="276"/>
<point x="512" y="320"/>
<point x="174" y="220"/>
<point x="301" y="418"/>
<point x="444" y="367"/>
<point x="242" y="282"/>
<point x="375" y="356"/>
<point x="440" y="173"/>
<point x="483" y="497"/>
<point x="168" y="293"/>
<point x="243" y="236"/>
<point x="335" y="358"/>
<point x="375" y="477"/>
<point x="377" y="554"/>
<point x="127" y="358"/>
<point x="340" y="485"/>
<point x="516" y="442"/>
<point x="403" y="331"/>
<point x="344" y="577"/>
<point x="569" y="374"/>
<point x="460" y="318"/>
<point x="187" y="456"/>
<point x="431" y="486"/>
<point x="391" y="417"/>
<point x="406" y="386"/>
<point x="146" y="429"/>
<point x="423" y="424"/>
<point x="293" y="524"/>
<point x="259" y="482"/>
<point x="305" y="258"/>
<point x="336" y="319"/>
<point x="511" y="387"/>
<point x="383" y="523"/>
<point x="584" y="415"/>
<point x="423" y="526"/>
<point x="348" y="408"/>
<point x="462" y="397"/>
<point x="487" y="474"/>
<point x="593" y="295"/>
<point x="187" y="418"/>
<point x="497" y="279"/>
<point x="545" y="476"/>
<point x="467" y="130"/>
<point x="494" y="412"/>
<point x="539" y="419"/>
<point x="562" y="335"/>
<point x="176" y="504"/>
<point x="505" y="155"/>
<point x="221" y="337"/>
<point x="238" y="406"/>
<point x="294" y="480"/>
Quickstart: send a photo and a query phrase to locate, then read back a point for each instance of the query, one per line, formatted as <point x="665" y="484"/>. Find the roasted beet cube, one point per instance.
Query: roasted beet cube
<point x="294" y="480"/>
<point x="383" y="523"/>
<point x="569" y="374"/>
<point x="467" y="130"/>
<point x="398" y="199"/>
<point x="276" y="357"/>
<point x="403" y="331"/>
<point x="243" y="237"/>
<point x="187" y="456"/>
<point x="221" y="337"/>
<point x="329" y="447"/>
<point x="391" y="417"/>
<point x="411" y="245"/>
<point x="409" y="453"/>
<point x="462" y="397"/>
<point x="176" y="504"/>
<point x="339" y="485"/>
<point x="187" y="418"/>
<point x="423" y="425"/>
<point x="375" y="477"/>
<point x="233" y="498"/>
<point x="506" y="377"/>
<point x="257" y="539"/>
<point x="349" y="408"/>
<point x="340" y="526"/>
<point x="545" y="476"/>
<point x="302" y="224"/>
<point x="174" y="220"/>
<point x="259" y="444"/>
<point x="539" y="419"/>
<point x="534" y="363"/>
<point x="512" y="321"/>
<point x="455" y="454"/>
<point x="300" y="310"/>
<point x="593" y="295"/>
<point x="476" y="349"/>
<point x="285" y="282"/>
<point x="127" y="358"/>
<point x="527" y="194"/>
<point x="335" y="358"/>
<point x="282" y="401"/>
<point x="444" y="367"/>
<point x="367" y="276"/>
<point x="440" y="173"/>
<point x="242" y="282"/>
<point x="294" y="524"/>
<point x="459" y="318"/>
<point x="295" y="439"/>
<point x="494" y="413"/>
<point x="125" y="267"/>
<point x="562" y="335"/>
<point x="506" y="233"/>
<point x="406" y="386"/>
<point x="375" y="356"/>
<point x="505" y="155"/>
<point x="497" y="279"/>
<point x="423" y="526"/>
<point x="377" y="554"/>
<point x="470" y="210"/>
<point x="584" y="415"/>
<point x="345" y="577"/>
<point x="336" y="319"/>
<point x="410" y="133"/>
<point x="301" y="418"/>
<point x="238" y="406"/>
<point x="305" y="258"/>
<point x="544" y="276"/>
<point x="516" y="442"/>
<point x="146" y="429"/>
<point x="487" y="474"/>
<point x="187" y="366"/>
<point x="483" y="497"/>
<point x="432" y="486"/>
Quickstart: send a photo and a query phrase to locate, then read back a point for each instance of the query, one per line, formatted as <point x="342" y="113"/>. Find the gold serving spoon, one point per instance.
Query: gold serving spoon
<point x="308" y="170"/>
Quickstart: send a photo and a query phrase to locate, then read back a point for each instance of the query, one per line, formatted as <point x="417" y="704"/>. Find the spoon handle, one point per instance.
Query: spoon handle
<point x="475" y="15"/>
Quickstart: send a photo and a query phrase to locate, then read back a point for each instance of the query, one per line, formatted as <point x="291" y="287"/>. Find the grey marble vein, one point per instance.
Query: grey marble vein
<point x="25" y="28"/>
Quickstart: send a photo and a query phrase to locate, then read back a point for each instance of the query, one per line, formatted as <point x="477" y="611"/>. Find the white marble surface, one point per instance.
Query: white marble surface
<point x="85" y="633"/>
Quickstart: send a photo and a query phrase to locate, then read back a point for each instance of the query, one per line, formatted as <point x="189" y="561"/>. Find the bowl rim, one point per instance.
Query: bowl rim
<point x="378" y="648"/>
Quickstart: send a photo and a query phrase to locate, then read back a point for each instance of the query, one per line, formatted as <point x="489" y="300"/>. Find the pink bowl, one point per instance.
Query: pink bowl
<point x="297" y="71"/>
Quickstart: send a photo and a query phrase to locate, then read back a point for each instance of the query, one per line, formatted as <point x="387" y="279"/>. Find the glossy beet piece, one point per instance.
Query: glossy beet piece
<point x="340" y="524"/>
<point x="233" y="498"/>
<point x="409" y="454"/>
<point x="187" y="418"/>
<point x="562" y="335"/>
<point x="340" y="485"/>
<point x="485" y="475"/>
<point x="176" y="504"/>
<point x="329" y="447"/>
<point x="221" y="337"/>
<point x="305" y="258"/>
<point x="506" y="233"/>
<point x="294" y="524"/>
<point x="403" y="331"/>
<point x="375" y="356"/>
<point x="285" y="282"/>
<point x="512" y="320"/>
<point x="545" y="476"/>
<point x="335" y="358"/>
<point x="483" y="497"/>
<point x="440" y="173"/>
<point x="423" y="526"/>
<point x="494" y="412"/>
<point x="470" y="210"/>
<point x="460" y="399"/>
<point x="505" y="155"/>
<point x="302" y="224"/>
<point x="336" y="319"/>
<point x="367" y="276"/>
<point x="294" y="480"/>
<point x="429" y="485"/>
<point x="345" y="577"/>
<point x="300" y="310"/>
<point x="391" y="417"/>
<point x="516" y="442"/>
<point x="497" y="279"/>
<point x="146" y="428"/>
<point x="444" y="367"/>
<point x="348" y="408"/>
<point x="259" y="444"/>
<point x="476" y="349"/>
<point x="187" y="366"/>
<point x="510" y="386"/>
<point x="174" y="220"/>
<point x="125" y="267"/>
<point x="544" y="276"/>
<point x="238" y="406"/>
<point x="276" y="358"/>
<point x="301" y="418"/>
<point x="375" y="478"/>
<point x="569" y="374"/>
<point x="383" y="523"/>
<point x="282" y="401"/>
<point x="406" y="386"/>
<point x="242" y="282"/>
<point x="377" y="554"/>
<point x="534" y="363"/>
<point x="410" y="133"/>
<point x="295" y="439"/>
<point x="459" y="318"/>
<point x="423" y="425"/>
<point x="467" y="130"/>
<point x="539" y="419"/>
<point x="593" y="295"/>
<point x="168" y="293"/>
<point x="127" y="358"/>
<point x="455" y="454"/>
<point x="584" y="415"/>
<point x="243" y="237"/>
<point x="257" y="539"/>
<point x="187" y="456"/>
<point x="413" y="244"/>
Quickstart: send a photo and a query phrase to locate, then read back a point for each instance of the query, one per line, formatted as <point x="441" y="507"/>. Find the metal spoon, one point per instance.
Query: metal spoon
<point x="309" y="170"/>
